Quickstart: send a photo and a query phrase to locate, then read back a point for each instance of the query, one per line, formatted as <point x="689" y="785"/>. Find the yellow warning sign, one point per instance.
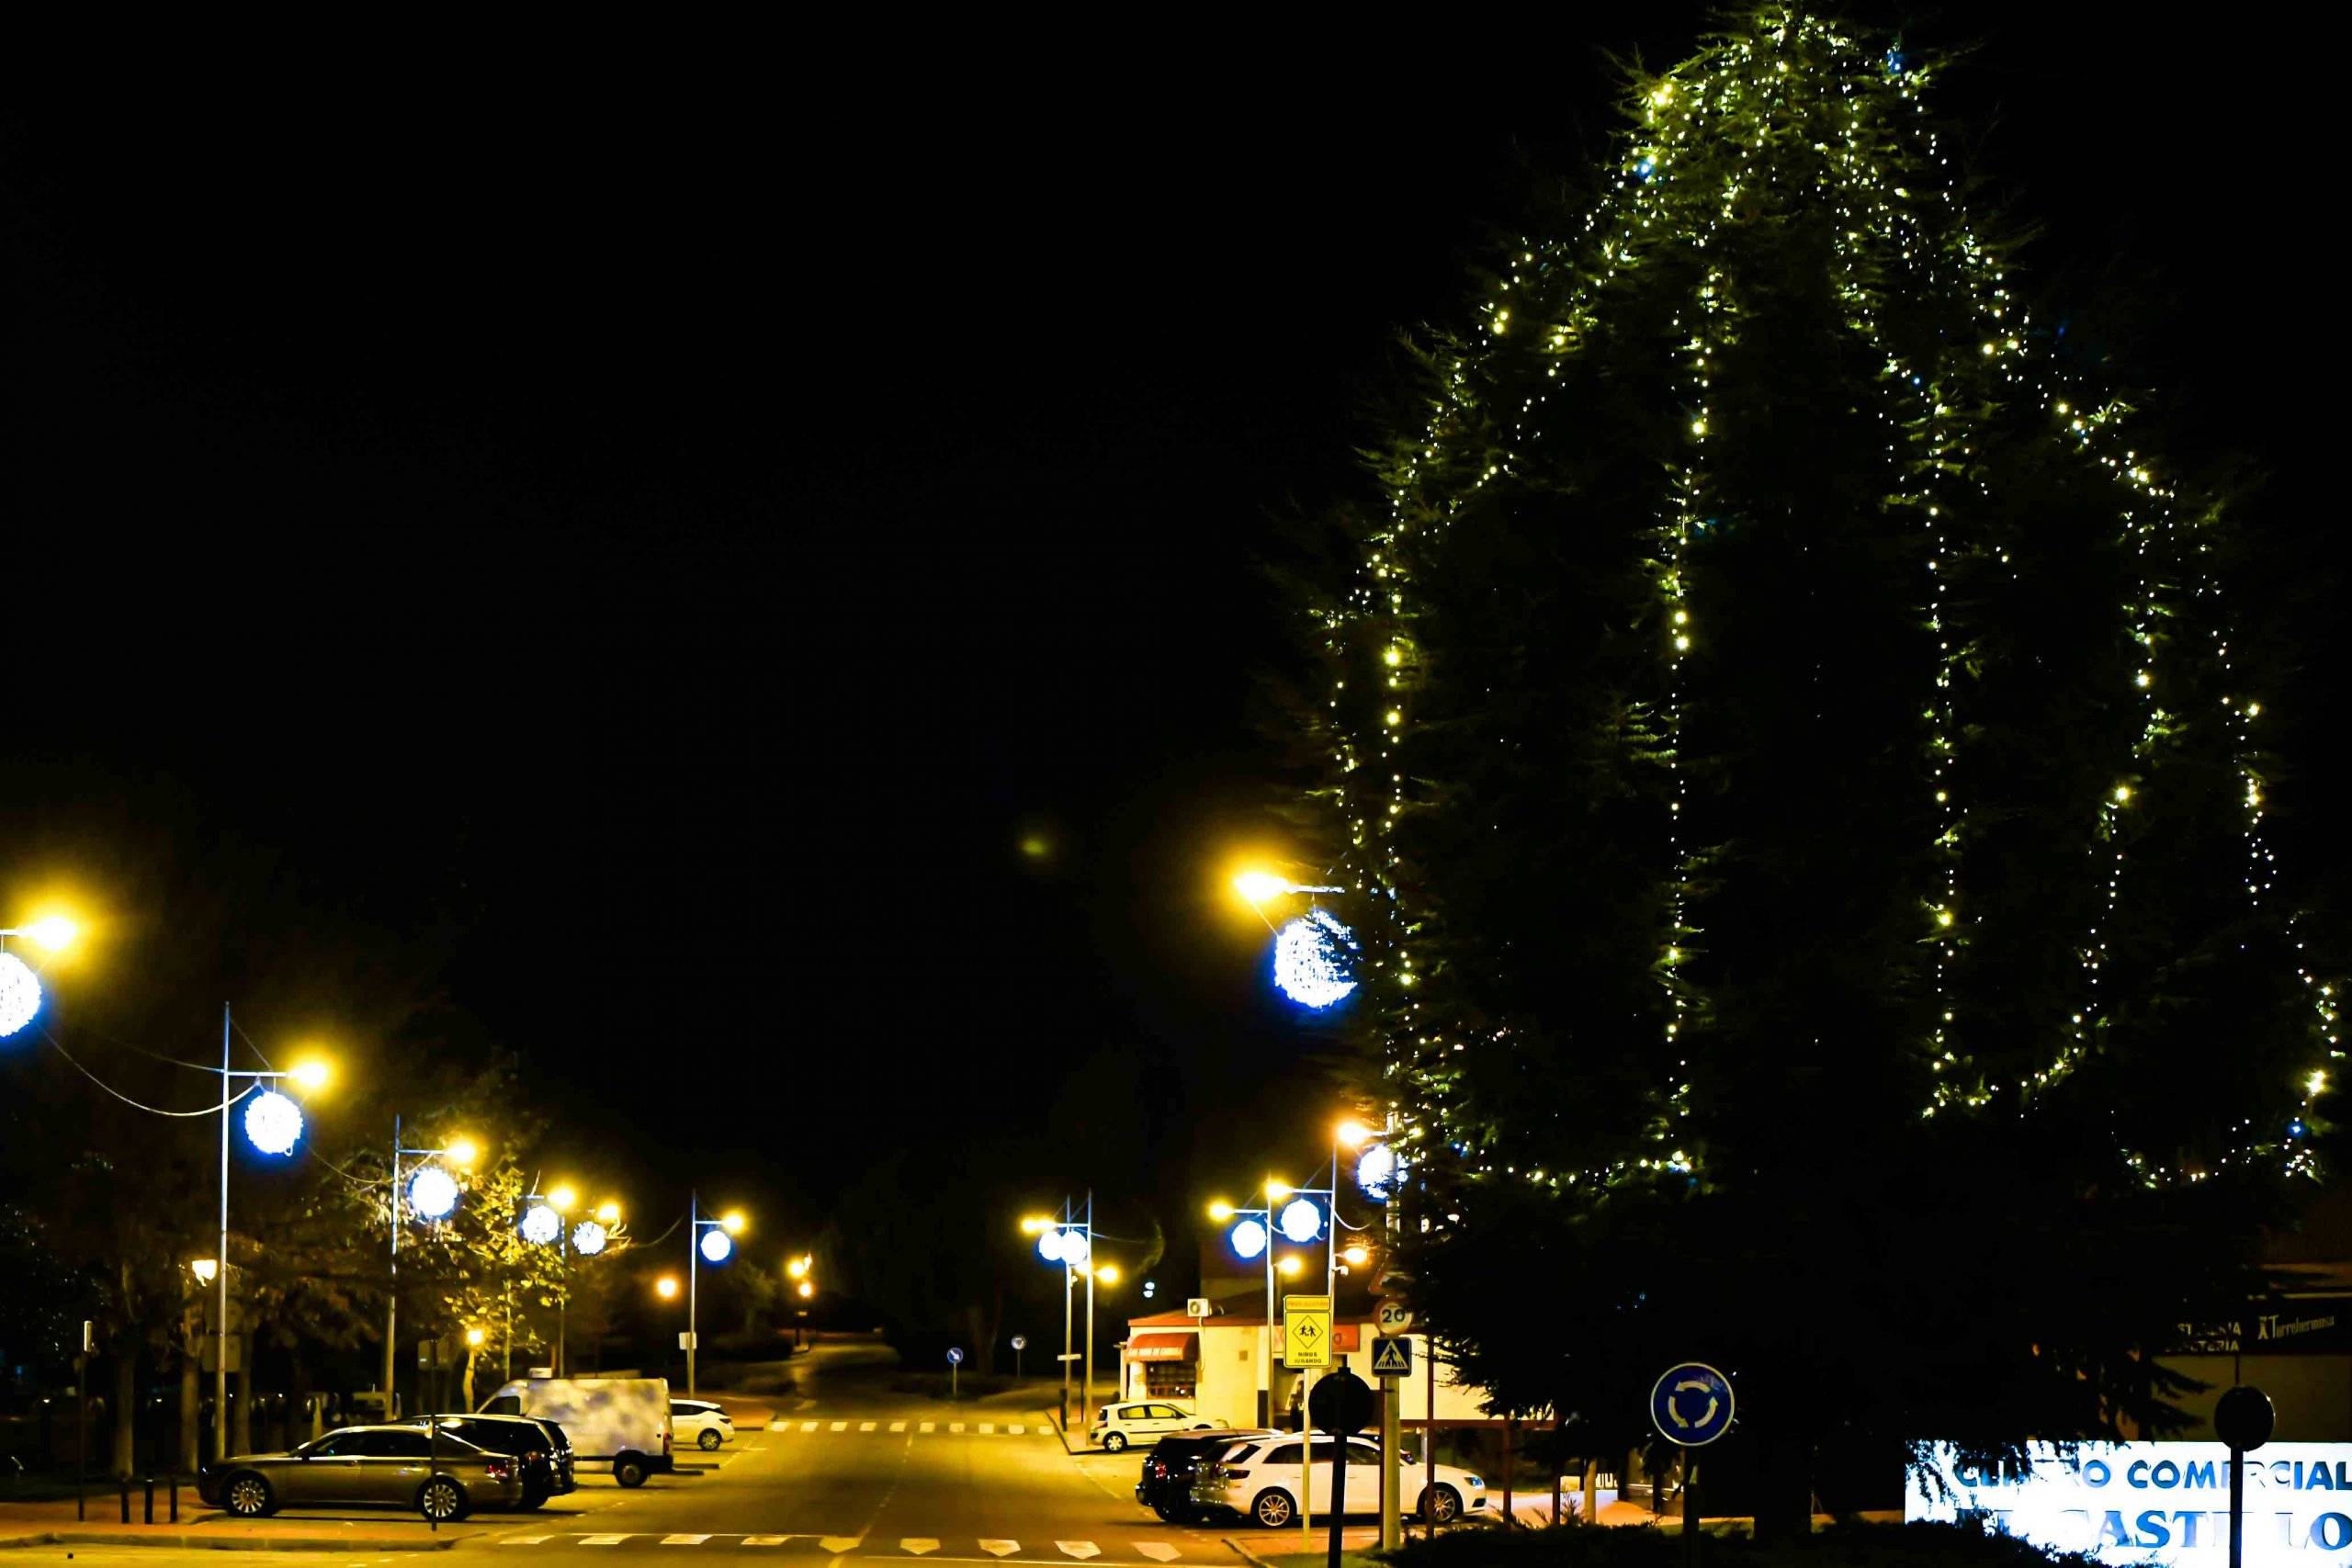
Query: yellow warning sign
<point x="1307" y="1333"/>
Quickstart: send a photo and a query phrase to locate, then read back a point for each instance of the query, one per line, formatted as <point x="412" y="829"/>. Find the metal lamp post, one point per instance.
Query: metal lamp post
<point x="712" y="1239"/>
<point x="459" y="1151"/>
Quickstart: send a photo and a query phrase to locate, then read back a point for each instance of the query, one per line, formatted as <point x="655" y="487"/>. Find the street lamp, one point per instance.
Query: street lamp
<point x="1251" y="1239"/>
<point x="273" y="1123"/>
<point x="714" y="1240"/>
<point x="1070" y="1243"/>
<point x="543" y="1226"/>
<point x="433" y="1194"/>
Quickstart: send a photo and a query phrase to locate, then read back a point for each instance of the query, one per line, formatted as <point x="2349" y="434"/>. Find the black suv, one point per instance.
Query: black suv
<point x="540" y="1445"/>
<point x="1166" y="1484"/>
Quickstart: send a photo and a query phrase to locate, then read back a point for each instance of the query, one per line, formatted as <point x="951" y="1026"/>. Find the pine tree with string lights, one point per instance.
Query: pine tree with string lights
<point x="1803" y="805"/>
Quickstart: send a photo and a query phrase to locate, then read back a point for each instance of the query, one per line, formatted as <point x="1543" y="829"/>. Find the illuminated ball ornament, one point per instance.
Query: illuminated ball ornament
<point x="273" y="1122"/>
<point x="1075" y="1248"/>
<point x="541" y="1224"/>
<point x="434" y="1193"/>
<point x="1301" y="1220"/>
<point x="717" y="1245"/>
<point x="1248" y="1239"/>
<point x="1050" y="1245"/>
<point x="1312" y="958"/>
<point x="19" y="994"/>
<point x="588" y="1238"/>
<point x="1377" y="1172"/>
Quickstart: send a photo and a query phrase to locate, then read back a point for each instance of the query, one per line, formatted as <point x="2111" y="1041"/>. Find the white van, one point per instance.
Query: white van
<point x="626" y="1420"/>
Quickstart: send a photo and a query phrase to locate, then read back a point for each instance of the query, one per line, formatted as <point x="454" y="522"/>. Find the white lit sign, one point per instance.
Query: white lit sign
<point x="2153" y="1501"/>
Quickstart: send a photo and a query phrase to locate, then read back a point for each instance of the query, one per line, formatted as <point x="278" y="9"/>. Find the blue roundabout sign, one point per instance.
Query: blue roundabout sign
<point x="1691" y="1404"/>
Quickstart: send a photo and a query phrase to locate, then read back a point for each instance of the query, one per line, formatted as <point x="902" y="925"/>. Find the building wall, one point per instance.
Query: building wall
<point x="1231" y="1361"/>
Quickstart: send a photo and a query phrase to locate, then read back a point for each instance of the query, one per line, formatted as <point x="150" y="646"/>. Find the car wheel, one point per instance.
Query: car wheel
<point x="1441" y="1506"/>
<point x="629" y="1471"/>
<point x="1113" y="1442"/>
<point x="534" y="1498"/>
<point x="441" y="1500"/>
<point x="248" y="1496"/>
<point x="709" y="1439"/>
<point x="1273" y="1509"/>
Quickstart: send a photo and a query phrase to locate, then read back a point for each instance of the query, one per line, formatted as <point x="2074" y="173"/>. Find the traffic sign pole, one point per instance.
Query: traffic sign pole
<point x="1392" y="1444"/>
<point x="1690" y="1405"/>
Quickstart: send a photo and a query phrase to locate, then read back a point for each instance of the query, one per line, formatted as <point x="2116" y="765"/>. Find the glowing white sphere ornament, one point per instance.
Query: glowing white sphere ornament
<point x="717" y="1245"/>
<point x="1312" y="959"/>
<point x="541" y="1224"/>
<point x="588" y="1238"/>
<point x="1075" y="1248"/>
<point x="1248" y="1239"/>
<point x="1377" y="1172"/>
<point x="273" y="1122"/>
<point x="1301" y="1221"/>
<point x="19" y="994"/>
<point x="1049" y="1244"/>
<point x="433" y="1193"/>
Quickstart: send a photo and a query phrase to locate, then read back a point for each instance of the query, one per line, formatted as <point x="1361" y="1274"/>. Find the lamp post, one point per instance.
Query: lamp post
<point x="1253" y="1236"/>
<point x="712" y="1239"/>
<point x="273" y="1123"/>
<point x="433" y="1200"/>
<point x="543" y="1224"/>
<point x="799" y="1269"/>
<point x="666" y="1287"/>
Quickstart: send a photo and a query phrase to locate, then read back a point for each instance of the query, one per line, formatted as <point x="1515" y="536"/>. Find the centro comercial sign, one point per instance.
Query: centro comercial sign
<point x="2151" y="1502"/>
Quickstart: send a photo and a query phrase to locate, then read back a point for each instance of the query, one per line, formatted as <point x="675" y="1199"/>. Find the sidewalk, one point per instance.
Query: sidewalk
<point x="53" y="1524"/>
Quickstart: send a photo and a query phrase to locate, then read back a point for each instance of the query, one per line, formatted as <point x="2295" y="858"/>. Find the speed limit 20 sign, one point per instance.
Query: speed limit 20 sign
<point x="1392" y="1318"/>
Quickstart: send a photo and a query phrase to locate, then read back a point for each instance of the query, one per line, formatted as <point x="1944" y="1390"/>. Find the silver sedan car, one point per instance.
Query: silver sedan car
<point x="441" y="1475"/>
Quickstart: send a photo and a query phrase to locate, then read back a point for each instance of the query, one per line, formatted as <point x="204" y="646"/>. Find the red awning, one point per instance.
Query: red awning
<point x="1161" y="1347"/>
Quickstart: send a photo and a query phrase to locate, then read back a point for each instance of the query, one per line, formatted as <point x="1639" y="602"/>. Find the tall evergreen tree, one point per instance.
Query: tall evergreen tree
<point x="1802" y="804"/>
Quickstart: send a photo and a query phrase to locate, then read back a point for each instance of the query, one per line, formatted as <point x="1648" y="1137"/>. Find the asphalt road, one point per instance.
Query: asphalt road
<point x="847" y="1469"/>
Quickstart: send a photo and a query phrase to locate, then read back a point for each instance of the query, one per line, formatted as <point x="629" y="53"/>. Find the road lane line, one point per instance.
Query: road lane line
<point x="1159" y="1551"/>
<point x="844" y="1427"/>
<point x="897" y="1426"/>
<point x="837" y="1544"/>
<point x="918" y="1544"/>
<point x="602" y="1540"/>
<point x="684" y="1539"/>
<point x="869" y="1427"/>
<point x="957" y="1427"/>
<point x="808" y="1426"/>
<point x="1000" y="1547"/>
<point x="1017" y="1429"/>
<point x="928" y="1427"/>
<point x="765" y="1539"/>
<point x="987" y="1428"/>
<point x="522" y="1540"/>
<point x="1081" y="1550"/>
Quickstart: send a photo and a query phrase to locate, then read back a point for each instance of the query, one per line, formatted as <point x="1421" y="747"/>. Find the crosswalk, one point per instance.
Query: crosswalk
<point x="912" y="1429"/>
<point x="835" y="1546"/>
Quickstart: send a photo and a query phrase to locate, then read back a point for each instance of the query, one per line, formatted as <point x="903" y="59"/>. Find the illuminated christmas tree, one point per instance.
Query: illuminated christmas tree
<point x="1802" y="807"/>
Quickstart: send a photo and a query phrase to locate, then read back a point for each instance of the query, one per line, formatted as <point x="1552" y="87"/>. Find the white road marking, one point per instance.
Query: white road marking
<point x="837" y="1544"/>
<point x="838" y="1426"/>
<point x="897" y="1426"/>
<point x="918" y="1544"/>
<point x="1081" y="1550"/>
<point x="808" y="1426"/>
<point x="522" y="1540"/>
<point x="928" y="1427"/>
<point x="684" y="1539"/>
<point x="989" y="1427"/>
<point x="954" y="1425"/>
<point x="602" y="1540"/>
<point x="1016" y="1428"/>
<point x="1159" y="1551"/>
<point x="1000" y="1547"/>
<point x="765" y="1539"/>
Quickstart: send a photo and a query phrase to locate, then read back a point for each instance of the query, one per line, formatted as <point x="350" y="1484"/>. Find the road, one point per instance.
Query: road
<point x="847" y="1470"/>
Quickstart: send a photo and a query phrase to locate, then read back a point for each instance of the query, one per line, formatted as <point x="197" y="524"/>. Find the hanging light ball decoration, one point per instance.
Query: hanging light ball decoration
<point x="588" y="1238"/>
<point x="1075" y="1248"/>
<point x="273" y="1122"/>
<point x="19" y="994"/>
<point x="1313" y="957"/>
<point x="1301" y="1221"/>
<point x="717" y="1245"/>
<point x="1049" y="1244"/>
<point x="1248" y="1239"/>
<point x="1377" y="1172"/>
<point x="541" y="1224"/>
<point x="433" y="1193"/>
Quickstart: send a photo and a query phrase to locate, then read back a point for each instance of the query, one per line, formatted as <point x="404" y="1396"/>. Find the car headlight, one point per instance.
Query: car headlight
<point x="1474" y="1481"/>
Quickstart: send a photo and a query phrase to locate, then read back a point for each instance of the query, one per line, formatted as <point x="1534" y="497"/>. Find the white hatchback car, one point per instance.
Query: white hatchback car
<point x="1260" y="1476"/>
<point x="701" y="1422"/>
<point x="1119" y="1425"/>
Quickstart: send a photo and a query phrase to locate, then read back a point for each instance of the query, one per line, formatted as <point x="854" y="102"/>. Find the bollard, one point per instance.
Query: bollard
<point x="150" y="1500"/>
<point x="175" y="1496"/>
<point x="125" y="1485"/>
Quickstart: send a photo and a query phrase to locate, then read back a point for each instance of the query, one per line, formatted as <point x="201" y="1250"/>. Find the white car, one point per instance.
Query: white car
<point x="1259" y="1477"/>
<point x="700" y="1422"/>
<point x="1119" y="1425"/>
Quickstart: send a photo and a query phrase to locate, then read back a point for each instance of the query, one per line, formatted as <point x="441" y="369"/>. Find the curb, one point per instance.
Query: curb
<point x="1047" y="1417"/>
<point x="1246" y="1554"/>
<point x="221" y="1542"/>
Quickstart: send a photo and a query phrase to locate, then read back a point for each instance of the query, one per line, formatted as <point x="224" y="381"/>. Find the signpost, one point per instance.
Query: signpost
<point x="1341" y="1405"/>
<point x="1019" y="1343"/>
<point x="1692" y="1406"/>
<point x="2242" y="1418"/>
<point x="954" y="1360"/>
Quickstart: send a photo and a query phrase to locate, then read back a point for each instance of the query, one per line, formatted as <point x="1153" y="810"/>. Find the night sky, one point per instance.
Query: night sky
<point x="667" y="522"/>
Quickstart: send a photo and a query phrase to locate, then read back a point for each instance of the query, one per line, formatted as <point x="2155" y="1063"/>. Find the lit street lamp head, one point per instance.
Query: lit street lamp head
<point x="310" y="1075"/>
<point x="807" y="1288"/>
<point x="1289" y="1267"/>
<point x="1276" y="1189"/>
<point x="461" y="1151"/>
<point x="796" y="1267"/>
<point x="562" y="1198"/>
<point x="474" y="1338"/>
<point x="53" y="934"/>
<point x="666" y="1287"/>
<point x="1356" y="1257"/>
<point x="1350" y="1133"/>
<point x="608" y="1213"/>
<point x="204" y="1269"/>
<point x="1031" y="1224"/>
<point x="1258" y="886"/>
<point x="1220" y="1210"/>
<point x="1108" y="1273"/>
<point x="732" y="1222"/>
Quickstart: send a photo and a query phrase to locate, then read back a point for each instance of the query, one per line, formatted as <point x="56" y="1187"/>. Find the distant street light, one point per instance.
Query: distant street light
<point x="807" y="1288"/>
<point x="204" y="1269"/>
<point x="666" y="1287"/>
<point x="432" y="1195"/>
<point x="1070" y="1243"/>
<point x="712" y="1239"/>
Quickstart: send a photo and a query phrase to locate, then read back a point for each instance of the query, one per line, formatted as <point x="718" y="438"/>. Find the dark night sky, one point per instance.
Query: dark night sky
<point x="690" y="513"/>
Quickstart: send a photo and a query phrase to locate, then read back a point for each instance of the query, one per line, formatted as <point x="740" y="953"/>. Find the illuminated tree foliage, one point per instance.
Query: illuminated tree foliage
<point x="1805" y="806"/>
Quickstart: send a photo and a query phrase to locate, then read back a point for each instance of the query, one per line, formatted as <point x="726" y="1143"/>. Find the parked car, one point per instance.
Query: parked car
<point x="1166" y="1485"/>
<point x="1259" y="1477"/>
<point x="540" y="1446"/>
<point x="624" y="1420"/>
<point x="444" y="1477"/>
<point x="1116" y="1425"/>
<point x="700" y="1421"/>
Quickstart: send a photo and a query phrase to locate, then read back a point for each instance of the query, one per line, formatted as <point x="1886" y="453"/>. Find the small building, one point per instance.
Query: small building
<point x="1216" y="1366"/>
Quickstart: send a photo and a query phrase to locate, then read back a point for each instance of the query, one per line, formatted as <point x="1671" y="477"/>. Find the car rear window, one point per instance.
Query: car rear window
<point x="562" y="1439"/>
<point x="516" y="1438"/>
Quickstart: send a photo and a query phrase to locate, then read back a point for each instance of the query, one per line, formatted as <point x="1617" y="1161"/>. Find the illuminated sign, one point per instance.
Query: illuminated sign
<point x="2151" y="1502"/>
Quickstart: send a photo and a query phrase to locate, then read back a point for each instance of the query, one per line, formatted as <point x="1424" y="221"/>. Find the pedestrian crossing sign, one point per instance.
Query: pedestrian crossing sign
<point x="1307" y="1333"/>
<point x="1392" y="1358"/>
